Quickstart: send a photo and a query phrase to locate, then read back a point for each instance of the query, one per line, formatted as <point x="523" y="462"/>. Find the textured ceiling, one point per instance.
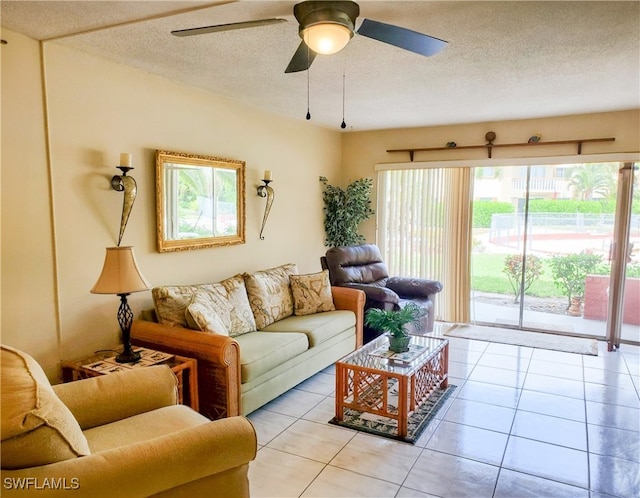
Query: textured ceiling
<point x="505" y="60"/>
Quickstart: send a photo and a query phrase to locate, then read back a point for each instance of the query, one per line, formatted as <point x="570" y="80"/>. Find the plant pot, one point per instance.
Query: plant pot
<point x="399" y="344"/>
<point x="575" y="308"/>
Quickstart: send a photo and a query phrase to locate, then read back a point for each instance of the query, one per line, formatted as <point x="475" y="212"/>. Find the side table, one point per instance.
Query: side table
<point x="103" y="363"/>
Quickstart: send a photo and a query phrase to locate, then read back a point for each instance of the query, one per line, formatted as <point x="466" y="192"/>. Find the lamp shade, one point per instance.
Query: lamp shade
<point x="326" y="38"/>
<point x="120" y="273"/>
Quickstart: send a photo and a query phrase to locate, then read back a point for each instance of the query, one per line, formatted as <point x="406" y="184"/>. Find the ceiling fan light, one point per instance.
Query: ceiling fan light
<point x="327" y="37"/>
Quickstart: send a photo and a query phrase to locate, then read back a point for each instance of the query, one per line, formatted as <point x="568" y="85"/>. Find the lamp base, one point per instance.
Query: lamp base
<point x="128" y="357"/>
<point x="125" y="317"/>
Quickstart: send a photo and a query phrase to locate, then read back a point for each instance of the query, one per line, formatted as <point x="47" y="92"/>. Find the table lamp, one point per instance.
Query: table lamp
<point x="121" y="275"/>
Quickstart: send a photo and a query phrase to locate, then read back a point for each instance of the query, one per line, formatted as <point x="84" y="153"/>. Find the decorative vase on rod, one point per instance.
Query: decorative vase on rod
<point x="126" y="184"/>
<point x="266" y="191"/>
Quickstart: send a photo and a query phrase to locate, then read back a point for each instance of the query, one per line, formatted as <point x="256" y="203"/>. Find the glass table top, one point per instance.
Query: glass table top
<point x="376" y="354"/>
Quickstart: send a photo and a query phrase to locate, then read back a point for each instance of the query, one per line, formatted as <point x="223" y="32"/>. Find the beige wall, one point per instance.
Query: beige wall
<point x="53" y="242"/>
<point x="59" y="213"/>
<point x="28" y="313"/>
<point x="362" y="151"/>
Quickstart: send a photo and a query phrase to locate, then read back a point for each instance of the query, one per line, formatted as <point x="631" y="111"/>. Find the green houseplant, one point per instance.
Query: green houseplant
<point x="394" y="322"/>
<point x="344" y="210"/>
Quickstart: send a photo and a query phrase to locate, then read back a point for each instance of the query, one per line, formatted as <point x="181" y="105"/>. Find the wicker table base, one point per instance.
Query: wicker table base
<point x="364" y="379"/>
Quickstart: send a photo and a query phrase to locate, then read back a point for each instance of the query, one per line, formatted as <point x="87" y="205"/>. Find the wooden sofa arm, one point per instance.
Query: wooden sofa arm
<point x="218" y="356"/>
<point x="352" y="300"/>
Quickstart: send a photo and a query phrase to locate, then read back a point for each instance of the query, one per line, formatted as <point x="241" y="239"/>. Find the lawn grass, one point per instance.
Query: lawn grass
<point x="487" y="276"/>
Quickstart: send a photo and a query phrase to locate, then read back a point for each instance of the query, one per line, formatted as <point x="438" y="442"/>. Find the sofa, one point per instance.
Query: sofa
<point x="121" y="434"/>
<point x="361" y="267"/>
<point x="255" y="335"/>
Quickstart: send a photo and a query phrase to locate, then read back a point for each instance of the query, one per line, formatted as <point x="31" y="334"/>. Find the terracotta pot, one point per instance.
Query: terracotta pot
<point x="575" y="309"/>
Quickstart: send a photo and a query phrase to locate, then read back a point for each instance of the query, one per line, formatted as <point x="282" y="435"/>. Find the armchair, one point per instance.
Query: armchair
<point x="361" y="267"/>
<point x="120" y="434"/>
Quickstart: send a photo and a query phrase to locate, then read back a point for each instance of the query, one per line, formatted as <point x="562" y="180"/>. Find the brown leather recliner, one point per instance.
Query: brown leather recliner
<point x="361" y="267"/>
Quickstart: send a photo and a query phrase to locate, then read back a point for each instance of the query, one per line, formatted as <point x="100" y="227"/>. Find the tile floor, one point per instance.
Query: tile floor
<point x="522" y="422"/>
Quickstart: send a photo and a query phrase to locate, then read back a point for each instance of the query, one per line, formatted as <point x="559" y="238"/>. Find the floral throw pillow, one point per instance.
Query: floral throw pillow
<point x="171" y="302"/>
<point x="311" y="293"/>
<point x="269" y="294"/>
<point x="210" y="312"/>
<point x="241" y="316"/>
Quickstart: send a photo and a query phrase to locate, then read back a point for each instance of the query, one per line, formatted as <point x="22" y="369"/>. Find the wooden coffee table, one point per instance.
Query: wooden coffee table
<point x="364" y="378"/>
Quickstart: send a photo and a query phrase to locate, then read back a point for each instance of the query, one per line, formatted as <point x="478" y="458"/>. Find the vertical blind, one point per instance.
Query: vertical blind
<point x="424" y="231"/>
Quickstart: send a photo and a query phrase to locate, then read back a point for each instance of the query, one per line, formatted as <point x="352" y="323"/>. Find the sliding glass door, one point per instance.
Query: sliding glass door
<point x="534" y="244"/>
<point x="542" y="256"/>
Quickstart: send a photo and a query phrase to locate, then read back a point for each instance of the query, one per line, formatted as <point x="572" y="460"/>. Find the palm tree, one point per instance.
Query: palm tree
<point x="216" y="187"/>
<point x="592" y="180"/>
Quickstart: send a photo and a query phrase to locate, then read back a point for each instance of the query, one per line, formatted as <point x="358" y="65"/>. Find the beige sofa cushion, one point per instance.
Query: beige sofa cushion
<point x="37" y="428"/>
<point x="171" y="303"/>
<point x="264" y="351"/>
<point x="319" y="327"/>
<point x="242" y="320"/>
<point x="270" y="295"/>
<point x="311" y="293"/>
<point x="143" y="427"/>
<point x="209" y="312"/>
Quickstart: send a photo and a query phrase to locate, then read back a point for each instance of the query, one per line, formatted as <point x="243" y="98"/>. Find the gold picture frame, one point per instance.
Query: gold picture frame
<point x="200" y="201"/>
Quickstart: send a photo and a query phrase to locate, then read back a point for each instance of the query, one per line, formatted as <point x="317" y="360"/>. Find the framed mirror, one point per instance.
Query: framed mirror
<point x="200" y="201"/>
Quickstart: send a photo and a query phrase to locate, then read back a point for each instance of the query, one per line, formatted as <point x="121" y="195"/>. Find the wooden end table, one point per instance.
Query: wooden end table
<point x="363" y="378"/>
<point x="103" y="363"/>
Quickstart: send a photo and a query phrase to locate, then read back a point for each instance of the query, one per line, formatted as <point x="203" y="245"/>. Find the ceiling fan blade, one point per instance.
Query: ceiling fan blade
<point x="301" y="60"/>
<point x="401" y="37"/>
<point x="227" y="27"/>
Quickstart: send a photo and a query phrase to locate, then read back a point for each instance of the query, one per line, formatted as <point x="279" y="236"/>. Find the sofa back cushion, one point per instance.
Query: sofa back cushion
<point x="209" y="312"/>
<point x="227" y="299"/>
<point x="356" y="265"/>
<point x="37" y="428"/>
<point x="311" y="293"/>
<point x="270" y="294"/>
<point x="241" y="318"/>
<point x="171" y="302"/>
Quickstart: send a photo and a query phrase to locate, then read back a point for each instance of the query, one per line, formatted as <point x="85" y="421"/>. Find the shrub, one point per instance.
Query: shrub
<point x="570" y="271"/>
<point x="633" y="270"/>
<point x="564" y="206"/>
<point x="513" y="270"/>
<point x="483" y="210"/>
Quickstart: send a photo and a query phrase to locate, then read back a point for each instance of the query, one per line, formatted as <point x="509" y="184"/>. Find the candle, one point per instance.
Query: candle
<point x="125" y="159"/>
<point x="267" y="175"/>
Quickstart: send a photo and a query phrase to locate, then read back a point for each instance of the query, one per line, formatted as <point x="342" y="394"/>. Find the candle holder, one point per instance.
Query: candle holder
<point x="262" y="189"/>
<point x="126" y="184"/>
<point x="265" y="191"/>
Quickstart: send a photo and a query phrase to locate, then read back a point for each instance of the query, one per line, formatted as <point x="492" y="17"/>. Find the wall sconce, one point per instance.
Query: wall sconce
<point x="126" y="184"/>
<point x="266" y="191"/>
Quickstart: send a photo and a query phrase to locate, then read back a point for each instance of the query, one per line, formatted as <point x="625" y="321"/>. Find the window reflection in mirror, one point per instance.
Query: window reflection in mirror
<point x="200" y="201"/>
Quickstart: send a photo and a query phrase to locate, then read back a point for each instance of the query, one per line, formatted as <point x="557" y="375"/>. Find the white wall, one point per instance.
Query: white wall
<point x="53" y="243"/>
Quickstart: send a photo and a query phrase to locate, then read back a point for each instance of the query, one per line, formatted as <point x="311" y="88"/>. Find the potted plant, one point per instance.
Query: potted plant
<point x="570" y="272"/>
<point x="344" y="210"/>
<point x="394" y="322"/>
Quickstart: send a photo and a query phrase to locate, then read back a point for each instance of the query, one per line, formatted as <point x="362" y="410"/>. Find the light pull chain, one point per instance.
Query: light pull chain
<point x="343" y="125"/>
<point x="308" y="86"/>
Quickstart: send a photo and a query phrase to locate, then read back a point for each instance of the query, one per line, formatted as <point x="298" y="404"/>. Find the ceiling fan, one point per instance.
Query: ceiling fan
<point x="327" y="26"/>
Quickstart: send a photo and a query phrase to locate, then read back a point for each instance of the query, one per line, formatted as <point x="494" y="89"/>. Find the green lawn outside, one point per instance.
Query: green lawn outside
<point x="487" y="276"/>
